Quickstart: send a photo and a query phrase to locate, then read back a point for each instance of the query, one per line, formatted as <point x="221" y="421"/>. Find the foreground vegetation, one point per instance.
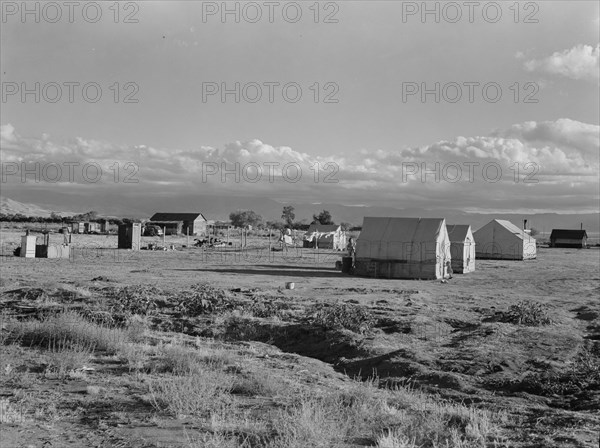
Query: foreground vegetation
<point x="212" y="383"/>
<point x="145" y="354"/>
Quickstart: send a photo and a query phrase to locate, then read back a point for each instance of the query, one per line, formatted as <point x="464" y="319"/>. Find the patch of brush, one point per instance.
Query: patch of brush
<point x="580" y="376"/>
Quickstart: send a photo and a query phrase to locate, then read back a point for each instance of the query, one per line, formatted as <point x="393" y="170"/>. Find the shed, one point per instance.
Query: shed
<point x="568" y="238"/>
<point x="130" y="236"/>
<point x="403" y="248"/>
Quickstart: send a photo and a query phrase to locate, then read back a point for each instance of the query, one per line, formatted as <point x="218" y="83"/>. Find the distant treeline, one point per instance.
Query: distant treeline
<point x="58" y="219"/>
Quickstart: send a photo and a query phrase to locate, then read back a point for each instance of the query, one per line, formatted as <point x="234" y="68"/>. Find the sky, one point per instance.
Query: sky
<point x="404" y="104"/>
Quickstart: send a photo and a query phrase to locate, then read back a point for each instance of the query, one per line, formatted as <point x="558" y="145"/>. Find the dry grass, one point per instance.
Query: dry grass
<point x="63" y="329"/>
<point x="11" y="413"/>
<point x="65" y="356"/>
<point x="195" y="394"/>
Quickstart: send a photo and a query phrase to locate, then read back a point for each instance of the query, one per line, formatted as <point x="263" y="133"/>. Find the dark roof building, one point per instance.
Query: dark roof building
<point x="194" y="223"/>
<point x="568" y="238"/>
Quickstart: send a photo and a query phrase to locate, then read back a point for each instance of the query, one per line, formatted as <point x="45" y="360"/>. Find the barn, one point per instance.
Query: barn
<point x="568" y="238"/>
<point x="180" y="223"/>
<point x="325" y="237"/>
<point x="462" y="248"/>
<point x="502" y="240"/>
<point x="403" y="248"/>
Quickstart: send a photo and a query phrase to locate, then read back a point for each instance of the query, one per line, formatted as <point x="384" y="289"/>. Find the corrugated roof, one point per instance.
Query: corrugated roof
<point x="568" y="234"/>
<point x="176" y="216"/>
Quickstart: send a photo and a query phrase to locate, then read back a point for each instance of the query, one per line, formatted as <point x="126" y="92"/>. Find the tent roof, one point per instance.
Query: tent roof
<point x="513" y="229"/>
<point x="510" y="227"/>
<point x="568" y="234"/>
<point x="401" y="230"/>
<point x="176" y="217"/>
<point x="458" y="232"/>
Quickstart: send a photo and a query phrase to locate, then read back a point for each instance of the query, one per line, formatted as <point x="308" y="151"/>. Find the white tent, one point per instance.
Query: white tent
<point x="502" y="240"/>
<point x="415" y="248"/>
<point x="325" y="237"/>
<point x="462" y="248"/>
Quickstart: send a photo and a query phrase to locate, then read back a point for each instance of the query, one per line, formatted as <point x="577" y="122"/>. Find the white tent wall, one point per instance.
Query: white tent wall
<point x="502" y="240"/>
<point x="462" y="248"/>
<point x="403" y="248"/>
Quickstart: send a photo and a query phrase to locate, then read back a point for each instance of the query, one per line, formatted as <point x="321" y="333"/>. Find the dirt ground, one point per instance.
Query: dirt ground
<point x="449" y="339"/>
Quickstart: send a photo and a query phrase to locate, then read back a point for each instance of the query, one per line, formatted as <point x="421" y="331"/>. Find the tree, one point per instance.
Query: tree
<point x="288" y="215"/>
<point x="346" y="226"/>
<point x="55" y="217"/>
<point x="323" y="218"/>
<point x="277" y="225"/>
<point x="245" y="218"/>
<point x="534" y="231"/>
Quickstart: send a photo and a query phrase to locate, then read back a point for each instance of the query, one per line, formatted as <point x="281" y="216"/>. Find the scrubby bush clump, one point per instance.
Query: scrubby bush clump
<point x="528" y="313"/>
<point x="203" y="299"/>
<point x="341" y="315"/>
<point x="131" y="300"/>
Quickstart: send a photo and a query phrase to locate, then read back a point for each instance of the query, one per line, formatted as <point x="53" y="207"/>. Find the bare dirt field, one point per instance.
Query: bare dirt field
<point x="195" y="348"/>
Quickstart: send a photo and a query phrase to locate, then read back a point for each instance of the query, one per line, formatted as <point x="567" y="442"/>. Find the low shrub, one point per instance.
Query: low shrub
<point x="192" y="395"/>
<point x="132" y="300"/>
<point x="341" y="315"/>
<point x="203" y="299"/>
<point x="528" y="313"/>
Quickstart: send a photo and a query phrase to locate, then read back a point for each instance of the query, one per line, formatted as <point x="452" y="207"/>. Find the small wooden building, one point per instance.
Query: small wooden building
<point x="92" y="227"/>
<point x="130" y="236"/>
<point x="568" y="238"/>
<point x="77" y="227"/>
<point x="28" y="246"/>
<point x="180" y="223"/>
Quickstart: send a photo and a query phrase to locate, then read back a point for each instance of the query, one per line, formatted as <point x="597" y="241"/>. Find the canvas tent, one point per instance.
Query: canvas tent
<point x="462" y="248"/>
<point x="502" y="240"/>
<point x="411" y="248"/>
<point x="325" y="237"/>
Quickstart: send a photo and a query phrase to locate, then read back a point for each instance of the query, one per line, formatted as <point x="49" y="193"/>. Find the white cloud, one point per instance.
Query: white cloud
<point x="7" y="132"/>
<point x="579" y="62"/>
<point x="556" y="154"/>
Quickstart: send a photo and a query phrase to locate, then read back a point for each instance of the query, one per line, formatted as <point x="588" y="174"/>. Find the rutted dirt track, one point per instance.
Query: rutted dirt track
<point x="449" y="339"/>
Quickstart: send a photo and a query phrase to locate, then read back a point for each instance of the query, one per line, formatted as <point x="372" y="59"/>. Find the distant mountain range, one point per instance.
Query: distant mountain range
<point x="218" y="208"/>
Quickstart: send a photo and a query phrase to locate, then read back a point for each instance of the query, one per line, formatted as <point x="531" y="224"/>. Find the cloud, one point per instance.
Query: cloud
<point x="579" y="62"/>
<point x="7" y="133"/>
<point x="548" y="164"/>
